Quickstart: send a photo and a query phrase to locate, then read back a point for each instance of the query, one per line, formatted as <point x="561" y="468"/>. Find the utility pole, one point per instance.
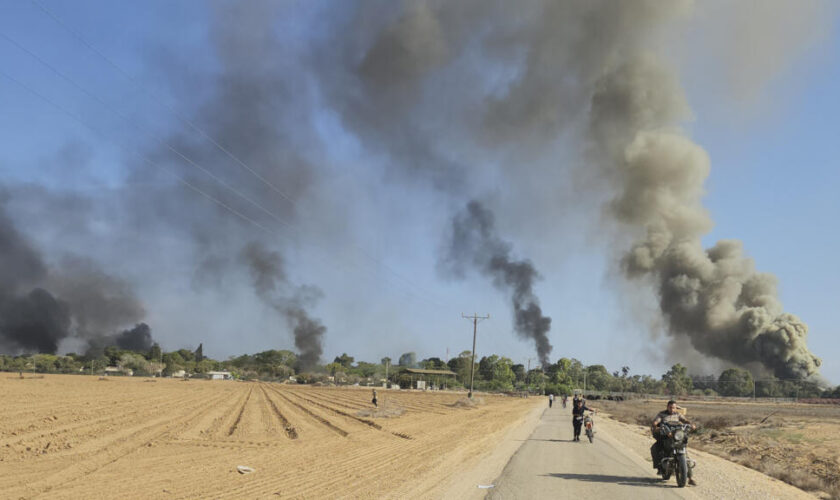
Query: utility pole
<point x="474" y="318"/>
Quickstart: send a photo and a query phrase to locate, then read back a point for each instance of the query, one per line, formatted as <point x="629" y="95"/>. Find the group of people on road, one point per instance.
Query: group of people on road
<point x="671" y="414"/>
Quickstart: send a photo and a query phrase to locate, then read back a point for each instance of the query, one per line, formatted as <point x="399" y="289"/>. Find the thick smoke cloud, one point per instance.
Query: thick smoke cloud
<point x="137" y="339"/>
<point x="272" y="286"/>
<point x="441" y="92"/>
<point x="714" y="296"/>
<point x="473" y="242"/>
<point x="41" y="307"/>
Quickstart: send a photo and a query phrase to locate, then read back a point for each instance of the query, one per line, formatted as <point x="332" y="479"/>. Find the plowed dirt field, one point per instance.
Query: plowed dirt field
<point x="67" y="436"/>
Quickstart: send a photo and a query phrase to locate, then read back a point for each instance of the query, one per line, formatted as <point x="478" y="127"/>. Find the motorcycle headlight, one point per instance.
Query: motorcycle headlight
<point x="679" y="435"/>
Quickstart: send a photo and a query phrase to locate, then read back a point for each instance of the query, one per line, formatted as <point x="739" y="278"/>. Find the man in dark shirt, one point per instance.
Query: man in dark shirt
<point x="577" y="417"/>
<point x="670" y="415"/>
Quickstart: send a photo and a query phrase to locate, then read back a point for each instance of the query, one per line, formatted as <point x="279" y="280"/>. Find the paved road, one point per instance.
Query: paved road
<point x="550" y="465"/>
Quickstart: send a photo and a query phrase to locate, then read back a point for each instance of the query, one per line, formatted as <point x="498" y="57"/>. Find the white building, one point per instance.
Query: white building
<point x="219" y="375"/>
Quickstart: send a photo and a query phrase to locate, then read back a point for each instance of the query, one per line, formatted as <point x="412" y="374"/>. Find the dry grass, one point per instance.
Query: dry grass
<point x="832" y="490"/>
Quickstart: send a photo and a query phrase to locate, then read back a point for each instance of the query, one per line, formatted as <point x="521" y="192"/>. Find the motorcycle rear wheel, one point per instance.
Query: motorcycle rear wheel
<point x="682" y="471"/>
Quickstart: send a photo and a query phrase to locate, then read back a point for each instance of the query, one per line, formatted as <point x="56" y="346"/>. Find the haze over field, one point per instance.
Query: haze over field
<point x="611" y="181"/>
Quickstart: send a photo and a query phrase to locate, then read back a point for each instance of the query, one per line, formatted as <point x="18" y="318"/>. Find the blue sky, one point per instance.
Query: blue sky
<point x="365" y="232"/>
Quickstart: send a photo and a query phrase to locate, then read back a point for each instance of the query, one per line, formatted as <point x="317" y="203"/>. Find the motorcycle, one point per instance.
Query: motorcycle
<point x="675" y="460"/>
<point x="587" y="425"/>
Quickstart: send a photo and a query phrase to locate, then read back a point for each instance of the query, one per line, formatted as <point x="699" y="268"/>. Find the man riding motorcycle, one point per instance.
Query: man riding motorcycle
<point x="670" y="415"/>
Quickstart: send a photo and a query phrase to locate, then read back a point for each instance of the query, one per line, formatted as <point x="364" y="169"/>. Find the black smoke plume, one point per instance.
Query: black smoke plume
<point x="138" y="339"/>
<point x="272" y="286"/>
<point x="40" y="307"/>
<point x="473" y="242"/>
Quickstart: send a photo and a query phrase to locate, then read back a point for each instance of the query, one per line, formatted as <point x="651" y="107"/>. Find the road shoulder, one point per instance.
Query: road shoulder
<point x="465" y="485"/>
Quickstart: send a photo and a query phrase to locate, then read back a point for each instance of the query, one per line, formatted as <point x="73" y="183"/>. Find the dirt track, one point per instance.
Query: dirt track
<point x="81" y="437"/>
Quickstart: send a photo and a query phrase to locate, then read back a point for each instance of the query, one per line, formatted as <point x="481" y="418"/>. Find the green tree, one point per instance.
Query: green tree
<point x="155" y="353"/>
<point x="365" y="369"/>
<point x="186" y="354"/>
<point x="433" y="364"/>
<point x="45" y="363"/>
<point x="345" y="360"/>
<point x="113" y="353"/>
<point x="519" y="372"/>
<point x="677" y="380"/>
<point x="503" y="376"/>
<point x="598" y="378"/>
<point x="486" y="365"/>
<point x="199" y="353"/>
<point x="735" y="382"/>
<point x="461" y="366"/>
<point x="335" y="369"/>
<point x="134" y="362"/>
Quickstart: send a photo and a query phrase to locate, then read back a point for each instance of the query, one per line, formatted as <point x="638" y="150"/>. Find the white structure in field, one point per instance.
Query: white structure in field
<point x="219" y="375"/>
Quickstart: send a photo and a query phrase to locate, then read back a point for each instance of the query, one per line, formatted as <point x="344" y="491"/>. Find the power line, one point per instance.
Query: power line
<point x="194" y="164"/>
<point x="193" y="126"/>
<point x="128" y="120"/>
<point x="204" y="134"/>
<point x="137" y="153"/>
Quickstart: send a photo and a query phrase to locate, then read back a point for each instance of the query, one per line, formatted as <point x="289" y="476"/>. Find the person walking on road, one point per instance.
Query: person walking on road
<point x="374" y="400"/>
<point x="577" y="417"/>
<point x="550" y="400"/>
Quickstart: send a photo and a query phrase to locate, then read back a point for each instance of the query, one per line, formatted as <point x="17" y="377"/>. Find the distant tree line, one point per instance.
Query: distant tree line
<point x="492" y="373"/>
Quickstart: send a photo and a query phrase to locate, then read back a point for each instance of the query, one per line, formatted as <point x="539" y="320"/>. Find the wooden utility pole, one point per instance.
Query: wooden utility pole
<point x="475" y="319"/>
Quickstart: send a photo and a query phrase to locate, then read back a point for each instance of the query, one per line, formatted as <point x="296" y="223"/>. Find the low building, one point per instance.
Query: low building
<point x="115" y="370"/>
<point x="219" y="375"/>
<point x="178" y="374"/>
<point x="415" y="378"/>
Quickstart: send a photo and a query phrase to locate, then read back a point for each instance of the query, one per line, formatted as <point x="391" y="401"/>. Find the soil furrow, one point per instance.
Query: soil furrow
<point x="239" y="416"/>
<point x="319" y="418"/>
<point x="288" y="428"/>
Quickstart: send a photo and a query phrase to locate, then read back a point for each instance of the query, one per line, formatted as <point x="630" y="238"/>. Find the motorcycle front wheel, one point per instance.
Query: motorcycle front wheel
<point x="589" y="434"/>
<point x="665" y="471"/>
<point x="682" y="471"/>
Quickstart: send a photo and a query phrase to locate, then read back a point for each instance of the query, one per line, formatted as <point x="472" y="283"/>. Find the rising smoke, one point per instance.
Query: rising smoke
<point x="714" y="297"/>
<point x="272" y="286"/>
<point x="473" y="242"/>
<point x="441" y="92"/>
<point x="41" y="307"/>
